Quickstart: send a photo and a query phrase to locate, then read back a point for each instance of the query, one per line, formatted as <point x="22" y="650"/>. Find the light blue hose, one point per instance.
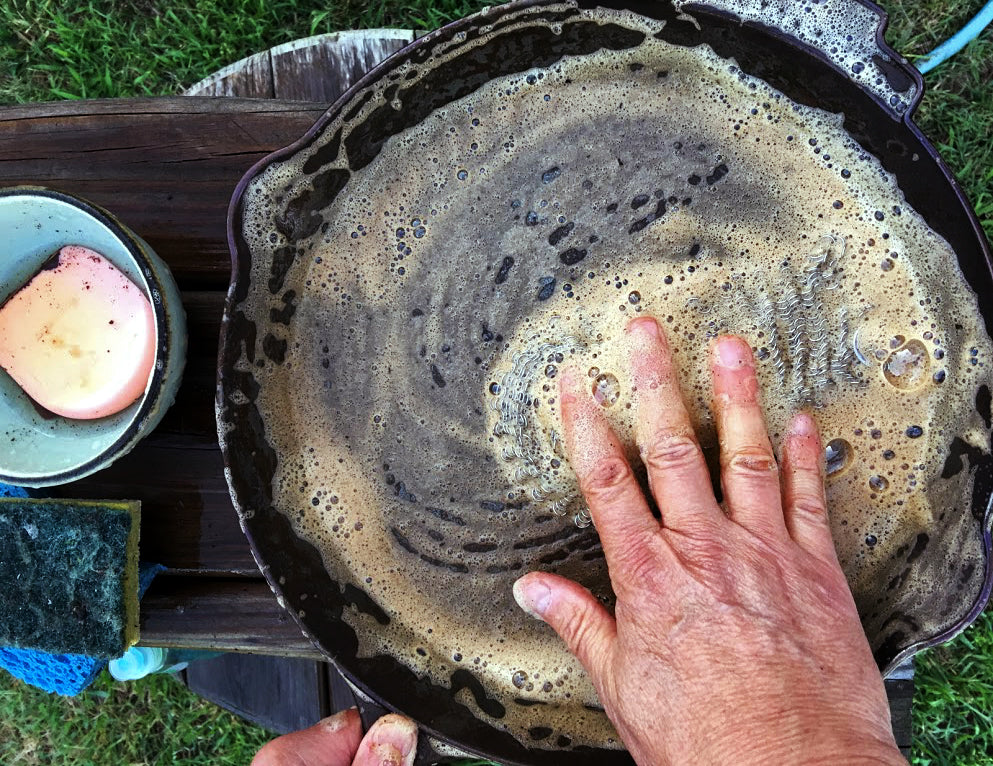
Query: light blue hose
<point x="953" y="45"/>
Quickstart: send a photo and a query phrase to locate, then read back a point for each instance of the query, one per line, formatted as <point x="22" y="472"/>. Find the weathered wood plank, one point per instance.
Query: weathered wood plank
<point x="162" y="105"/>
<point x="249" y="78"/>
<point x="281" y="694"/>
<point x="340" y="692"/>
<point x="188" y="522"/>
<point x="322" y="68"/>
<point x="193" y="411"/>
<point x="318" y="68"/>
<point x="220" y="615"/>
<point x="166" y="166"/>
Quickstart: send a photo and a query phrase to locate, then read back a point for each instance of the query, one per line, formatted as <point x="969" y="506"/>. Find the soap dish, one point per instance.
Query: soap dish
<point x="37" y="447"/>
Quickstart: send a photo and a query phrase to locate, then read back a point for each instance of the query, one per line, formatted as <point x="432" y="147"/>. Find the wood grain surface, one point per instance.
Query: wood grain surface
<point x="281" y="694"/>
<point x="229" y="615"/>
<point x="318" y="68"/>
<point x="166" y="166"/>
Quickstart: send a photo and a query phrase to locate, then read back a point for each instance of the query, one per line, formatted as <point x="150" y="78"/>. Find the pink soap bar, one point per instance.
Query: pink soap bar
<point x="79" y="338"/>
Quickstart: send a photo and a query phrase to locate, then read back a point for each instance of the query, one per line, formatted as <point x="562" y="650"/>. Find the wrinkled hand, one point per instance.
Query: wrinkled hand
<point x="735" y="638"/>
<point x="338" y="741"/>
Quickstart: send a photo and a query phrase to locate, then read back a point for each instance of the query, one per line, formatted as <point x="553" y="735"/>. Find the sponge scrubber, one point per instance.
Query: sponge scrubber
<point x="69" y="575"/>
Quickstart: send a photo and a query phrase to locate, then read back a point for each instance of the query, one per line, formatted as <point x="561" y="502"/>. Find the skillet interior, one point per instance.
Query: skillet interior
<point x="912" y="609"/>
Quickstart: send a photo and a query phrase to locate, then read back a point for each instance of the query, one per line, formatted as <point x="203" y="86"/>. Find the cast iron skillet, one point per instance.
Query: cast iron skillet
<point x="877" y="94"/>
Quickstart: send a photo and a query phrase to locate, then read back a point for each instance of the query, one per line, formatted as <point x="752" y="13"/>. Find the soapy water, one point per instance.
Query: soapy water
<point x="524" y="225"/>
<point x="606" y="389"/>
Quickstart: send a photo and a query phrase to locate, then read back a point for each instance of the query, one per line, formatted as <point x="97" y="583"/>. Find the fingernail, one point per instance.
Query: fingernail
<point x="393" y="740"/>
<point x="803" y="425"/>
<point x="733" y="352"/>
<point x="645" y="326"/>
<point x="386" y="755"/>
<point x="533" y="596"/>
<point x="567" y="384"/>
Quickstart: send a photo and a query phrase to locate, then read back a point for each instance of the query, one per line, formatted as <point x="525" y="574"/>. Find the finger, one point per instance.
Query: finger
<point x="391" y="741"/>
<point x="572" y="612"/>
<point x="331" y="742"/>
<point x="677" y="471"/>
<point x="749" y="473"/>
<point x="618" y="507"/>
<point x="803" y="488"/>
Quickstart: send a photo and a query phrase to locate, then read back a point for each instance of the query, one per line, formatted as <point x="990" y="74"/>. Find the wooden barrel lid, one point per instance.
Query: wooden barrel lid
<point x="316" y="68"/>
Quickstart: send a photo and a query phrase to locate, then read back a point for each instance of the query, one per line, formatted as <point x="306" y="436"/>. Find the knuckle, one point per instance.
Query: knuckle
<point x="809" y="506"/>
<point x="672" y="450"/>
<point x="751" y="462"/>
<point x="639" y="565"/>
<point x="704" y="557"/>
<point x="806" y="473"/>
<point x="609" y="475"/>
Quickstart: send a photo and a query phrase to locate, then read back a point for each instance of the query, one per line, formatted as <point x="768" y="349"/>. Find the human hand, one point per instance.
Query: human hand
<point x="735" y="638"/>
<point x="338" y="741"/>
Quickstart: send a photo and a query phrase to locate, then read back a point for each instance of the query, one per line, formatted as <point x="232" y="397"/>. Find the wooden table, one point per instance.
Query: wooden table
<point x="167" y="167"/>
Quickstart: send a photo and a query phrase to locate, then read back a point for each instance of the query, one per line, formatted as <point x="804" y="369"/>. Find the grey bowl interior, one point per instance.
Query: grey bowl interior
<point x="40" y="448"/>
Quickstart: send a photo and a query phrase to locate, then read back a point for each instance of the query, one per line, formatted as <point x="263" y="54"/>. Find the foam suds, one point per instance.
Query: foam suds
<point x="411" y="390"/>
<point x="846" y="33"/>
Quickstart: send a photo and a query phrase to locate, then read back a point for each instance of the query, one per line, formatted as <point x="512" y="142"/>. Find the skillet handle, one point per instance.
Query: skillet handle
<point x="848" y="33"/>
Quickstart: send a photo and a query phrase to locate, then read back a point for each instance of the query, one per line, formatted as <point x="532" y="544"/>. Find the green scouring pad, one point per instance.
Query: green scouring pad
<point x="69" y="575"/>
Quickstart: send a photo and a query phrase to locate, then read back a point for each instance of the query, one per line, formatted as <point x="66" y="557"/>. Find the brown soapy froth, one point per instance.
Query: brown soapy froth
<point x="412" y="391"/>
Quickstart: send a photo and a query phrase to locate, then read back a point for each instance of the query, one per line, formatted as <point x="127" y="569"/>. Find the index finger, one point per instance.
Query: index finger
<point x="617" y="505"/>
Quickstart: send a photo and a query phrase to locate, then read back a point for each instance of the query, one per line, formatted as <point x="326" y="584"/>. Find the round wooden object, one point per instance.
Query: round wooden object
<point x="318" y="68"/>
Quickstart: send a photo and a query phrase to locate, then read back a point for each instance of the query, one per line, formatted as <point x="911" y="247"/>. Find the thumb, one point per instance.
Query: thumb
<point x="572" y="612"/>
<point x="331" y="742"/>
<point x="391" y="741"/>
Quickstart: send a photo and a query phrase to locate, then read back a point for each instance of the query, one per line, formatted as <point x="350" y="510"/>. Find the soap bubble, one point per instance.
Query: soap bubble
<point x="907" y="367"/>
<point x="878" y="483"/>
<point x="839" y="454"/>
<point x="606" y="390"/>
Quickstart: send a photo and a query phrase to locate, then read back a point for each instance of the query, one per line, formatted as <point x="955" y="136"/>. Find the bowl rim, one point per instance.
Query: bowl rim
<point x="153" y="291"/>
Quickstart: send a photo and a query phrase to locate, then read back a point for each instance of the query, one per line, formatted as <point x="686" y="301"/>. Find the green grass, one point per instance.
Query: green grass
<point x="153" y="721"/>
<point x="104" y="48"/>
<point x="108" y="48"/>
<point x="953" y="701"/>
<point x="957" y="110"/>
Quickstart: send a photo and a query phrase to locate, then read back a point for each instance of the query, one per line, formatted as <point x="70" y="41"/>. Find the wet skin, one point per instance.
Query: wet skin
<point x="735" y="637"/>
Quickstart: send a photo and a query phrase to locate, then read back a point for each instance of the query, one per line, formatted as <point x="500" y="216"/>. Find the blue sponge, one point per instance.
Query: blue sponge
<point x="7" y="490"/>
<point x="66" y="674"/>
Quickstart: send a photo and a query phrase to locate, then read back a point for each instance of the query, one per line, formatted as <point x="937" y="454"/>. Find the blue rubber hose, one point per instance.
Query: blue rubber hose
<point x="954" y="44"/>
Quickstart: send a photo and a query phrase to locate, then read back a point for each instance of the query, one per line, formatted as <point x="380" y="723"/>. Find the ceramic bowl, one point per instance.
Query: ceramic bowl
<point x="38" y="448"/>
